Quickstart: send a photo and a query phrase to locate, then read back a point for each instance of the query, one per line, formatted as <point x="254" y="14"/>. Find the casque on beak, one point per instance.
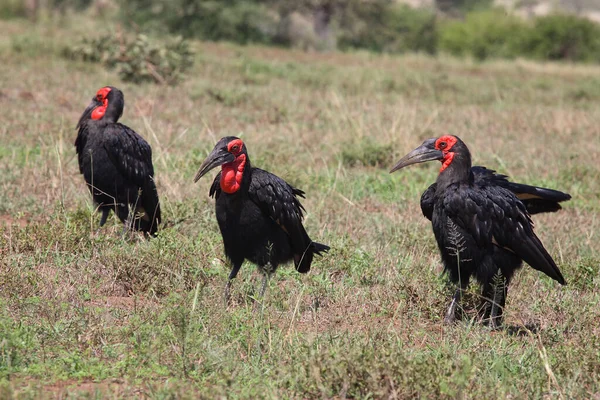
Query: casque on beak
<point x="217" y="157"/>
<point x="423" y="153"/>
<point x="87" y="114"/>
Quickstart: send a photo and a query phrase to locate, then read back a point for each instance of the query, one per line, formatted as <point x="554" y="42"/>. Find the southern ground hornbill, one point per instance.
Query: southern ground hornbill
<point x="259" y="214"/>
<point x="116" y="163"/>
<point x="481" y="223"/>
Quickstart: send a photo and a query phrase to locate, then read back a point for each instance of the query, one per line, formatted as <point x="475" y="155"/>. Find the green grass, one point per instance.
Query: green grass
<point x="89" y="315"/>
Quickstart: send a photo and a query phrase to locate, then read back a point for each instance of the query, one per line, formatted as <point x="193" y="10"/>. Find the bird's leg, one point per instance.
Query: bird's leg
<point x="267" y="271"/>
<point x="232" y="275"/>
<point x="493" y="301"/>
<point x="263" y="287"/>
<point x="227" y="294"/>
<point x="129" y="221"/>
<point x="105" y="212"/>
<point x="450" y="316"/>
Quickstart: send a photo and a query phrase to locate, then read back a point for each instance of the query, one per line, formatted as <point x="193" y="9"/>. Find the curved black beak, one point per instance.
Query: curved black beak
<point x="423" y="153"/>
<point x="87" y="114"/>
<point x="218" y="156"/>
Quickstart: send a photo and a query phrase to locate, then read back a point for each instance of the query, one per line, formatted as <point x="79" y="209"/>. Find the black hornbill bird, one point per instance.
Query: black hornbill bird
<point x="116" y="163"/>
<point x="482" y="224"/>
<point x="259" y="214"/>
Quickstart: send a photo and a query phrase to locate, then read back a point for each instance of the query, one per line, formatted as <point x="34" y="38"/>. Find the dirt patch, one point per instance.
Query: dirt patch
<point x="9" y="220"/>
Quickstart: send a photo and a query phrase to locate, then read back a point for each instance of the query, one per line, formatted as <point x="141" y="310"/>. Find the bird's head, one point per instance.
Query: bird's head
<point x="229" y="152"/>
<point x="448" y="149"/>
<point x="106" y="105"/>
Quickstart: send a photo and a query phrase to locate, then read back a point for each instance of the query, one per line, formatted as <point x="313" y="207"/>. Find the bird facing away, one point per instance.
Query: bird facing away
<point x="259" y="214"/>
<point x="116" y="163"/>
<point x="481" y="225"/>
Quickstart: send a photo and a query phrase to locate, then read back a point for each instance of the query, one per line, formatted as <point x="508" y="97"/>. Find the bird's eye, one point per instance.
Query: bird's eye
<point x="99" y="97"/>
<point x="442" y="145"/>
<point x="235" y="148"/>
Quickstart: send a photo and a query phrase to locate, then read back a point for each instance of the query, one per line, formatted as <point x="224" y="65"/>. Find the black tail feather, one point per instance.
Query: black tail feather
<point x="304" y="261"/>
<point x="538" y="199"/>
<point x="319" y="248"/>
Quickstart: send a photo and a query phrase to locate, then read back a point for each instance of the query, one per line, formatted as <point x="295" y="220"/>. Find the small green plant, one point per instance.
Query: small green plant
<point x="138" y="60"/>
<point x="367" y="153"/>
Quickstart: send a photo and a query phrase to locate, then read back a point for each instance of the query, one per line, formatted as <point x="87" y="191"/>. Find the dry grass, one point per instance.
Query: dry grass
<point x="91" y="315"/>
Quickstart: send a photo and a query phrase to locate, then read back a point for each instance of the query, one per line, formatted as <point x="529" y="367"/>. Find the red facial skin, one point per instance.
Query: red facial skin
<point x="101" y="96"/>
<point x="444" y="144"/>
<point x="232" y="173"/>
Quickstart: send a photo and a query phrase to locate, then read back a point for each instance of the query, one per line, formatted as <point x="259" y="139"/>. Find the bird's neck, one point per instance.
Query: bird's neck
<point x="232" y="174"/>
<point x="456" y="169"/>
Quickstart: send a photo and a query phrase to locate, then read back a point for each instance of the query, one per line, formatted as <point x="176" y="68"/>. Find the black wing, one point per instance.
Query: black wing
<point x="427" y="201"/>
<point x="536" y="199"/>
<point x="132" y="156"/>
<point x="80" y="143"/>
<point x="279" y="201"/>
<point x="130" y="153"/>
<point x="215" y="188"/>
<point x="494" y="215"/>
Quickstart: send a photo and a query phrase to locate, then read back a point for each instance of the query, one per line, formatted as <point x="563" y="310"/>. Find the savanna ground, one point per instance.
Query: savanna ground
<point x="85" y="314"/>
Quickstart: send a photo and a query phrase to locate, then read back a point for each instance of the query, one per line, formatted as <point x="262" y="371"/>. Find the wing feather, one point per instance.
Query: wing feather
<point x="130" y="153"/>
<point x="495" y="215"/>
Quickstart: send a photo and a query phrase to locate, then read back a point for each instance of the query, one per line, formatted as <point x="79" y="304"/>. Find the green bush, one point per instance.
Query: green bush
<point x="12" y="9"/>
<point x="241" y="21"/>
<point x="484" y="34"/>
<point x="137" y="60"/>
<point x="387" y="27"/>
<point x="563" y="37"/>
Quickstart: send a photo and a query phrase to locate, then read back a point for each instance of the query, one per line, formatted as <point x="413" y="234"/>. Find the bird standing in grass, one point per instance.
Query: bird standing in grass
<point x="259" y="214"/>
<point x="482" y="224"/>
<point x="116" y="163"/>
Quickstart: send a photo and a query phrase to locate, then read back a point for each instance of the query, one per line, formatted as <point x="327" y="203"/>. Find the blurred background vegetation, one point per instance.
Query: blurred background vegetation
<point x="480" y="29"/>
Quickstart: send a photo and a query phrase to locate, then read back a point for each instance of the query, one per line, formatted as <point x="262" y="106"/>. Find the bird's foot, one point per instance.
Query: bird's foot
<point x="450" y="317"/>
<point x="495" y="324"/>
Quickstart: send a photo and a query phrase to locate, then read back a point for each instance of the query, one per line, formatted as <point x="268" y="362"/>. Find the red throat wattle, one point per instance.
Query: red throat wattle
<point x="101" y="96"/>
<point x="232" y="174"/>
<point x="448" y="157"/>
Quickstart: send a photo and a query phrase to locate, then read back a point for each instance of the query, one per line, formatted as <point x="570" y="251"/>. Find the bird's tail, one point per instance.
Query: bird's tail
<point x="538" y="199"/>
<point x="303" y="261"/>
<point x="319" y="248"/>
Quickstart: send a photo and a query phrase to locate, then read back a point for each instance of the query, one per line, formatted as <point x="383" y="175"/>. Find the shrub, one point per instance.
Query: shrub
<point x="564" y="37"/>
<point x="387" y="27"/>
<point x="137" y="60"/>
<point x="13" y="9"/>
<point x="241" y="21"/>
<point x="484" y="34"/>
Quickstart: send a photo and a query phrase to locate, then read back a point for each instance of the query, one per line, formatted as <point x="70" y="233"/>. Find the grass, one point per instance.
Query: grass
<point x="85" y="315"/>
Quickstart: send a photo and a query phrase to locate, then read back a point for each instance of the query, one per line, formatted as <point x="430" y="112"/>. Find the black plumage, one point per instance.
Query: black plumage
<point x="116" y="164"/>
<point x="259" y="214"/>
<point x="481" y="226"/>
<point x="536" y="199"/>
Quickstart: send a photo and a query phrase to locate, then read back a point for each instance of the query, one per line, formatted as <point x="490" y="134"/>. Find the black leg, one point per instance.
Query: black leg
<point x="450" y="316"/>
<point x="267" y="271"/>
<point x="493" y="301"/>
<point x="263" y="288"/>
<point x="105" y="212"/>
<point x="232" y="275"/>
